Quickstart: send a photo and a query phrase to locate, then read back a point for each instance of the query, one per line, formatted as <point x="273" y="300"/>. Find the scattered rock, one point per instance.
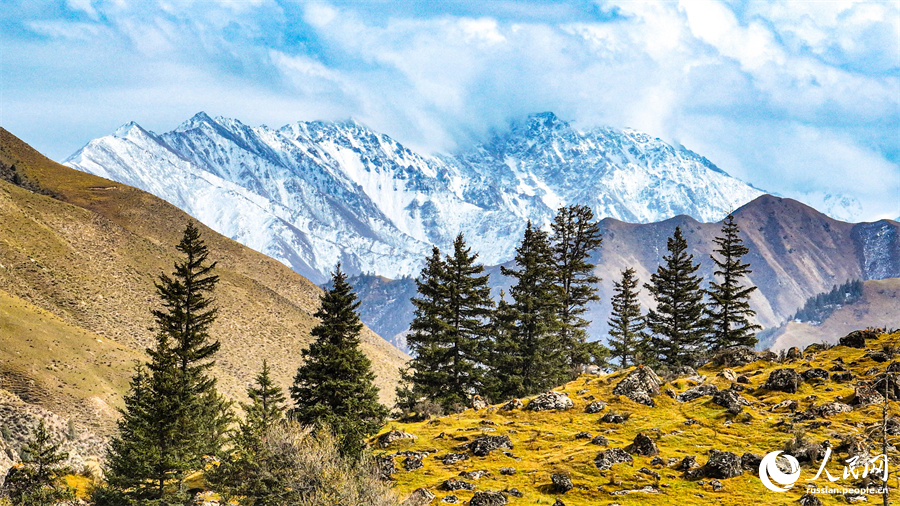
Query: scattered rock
<point x="893" y="367"/>
<point x="857" y="338"/>
<point x="687" y="463"/>
<point x="559" y="503"/>
<point x="386" y="467"/>
<point x="453" y="458"/>
<point x="734" y="356"/>
<point x="584" y="435"/>
<point x="646" y="490"/>
<point x="453" y="484"/>
<point x="595" y="407"/>
<point x="514" y="492"/>
<point x="593" y="370"/>
<point x="730" y="400"/>
<point x="612" y="417"/>
<point x="562" y="483"/>
<point x="809" y="500"/>
<point x="684" y="371"/>
<point x="852" y="498"/>
<point x="716" y="485"/>
<point x="419" y="497"/>
<point x="412" y="462"/>
<point x="450" y="499"/>
<point x="696" y="392"/>
<point x="722" y="465"/>
<point x="827" y="409"/>
<point x="814" y="373"/>
<point x="474" y="475"/>
<point x="783" y="380"/>
<point x="507" y="471"/>
<point x="841" y="376"/>
<point x="600" y="441"/>
<point x="743" y="379"/>
<point x="649" y="472"/>
<point x="750" y="461"/>
<point x="511" y="405"/>
<point x="483" y="446"/>
<point x="877" y="356"/>
<point x="552" y="400"/>
<point x="865" y="395"/>
<point x="643" y="445"/>
<point x="818" y="424"/>
<point x="478" y="403"/>
<point x="794" y="353"/>
<point x="728" y="374"/>
<point x="640" y="385"/>
<point x="657" y="462"/>
<point x="488" y="498"/>
<point x="789" y="404"/>
<point x="871" y="371"/>
<point x="608" y="458"/>
<point x="737" y="387"/>
<point x="390" y="436"/>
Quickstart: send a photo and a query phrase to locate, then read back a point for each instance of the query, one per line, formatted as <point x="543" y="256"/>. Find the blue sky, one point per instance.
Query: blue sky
<point x="798" y="98"/>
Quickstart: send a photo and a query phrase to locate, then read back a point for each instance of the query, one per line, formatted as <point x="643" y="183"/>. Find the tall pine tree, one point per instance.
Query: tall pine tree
<point x="173" y="414"/>
<point x="729" y="307"/>
<point x="450" y="333"/>
<point x="678" y="322"/>
<point x="575" y="237"/>
<point x="626" y="325"/>
<point x="534" y="356"/>
<point x="335" y="388"/>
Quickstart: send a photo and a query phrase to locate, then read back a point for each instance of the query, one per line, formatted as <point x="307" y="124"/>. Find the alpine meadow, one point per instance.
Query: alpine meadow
<point x="602" y="253"/>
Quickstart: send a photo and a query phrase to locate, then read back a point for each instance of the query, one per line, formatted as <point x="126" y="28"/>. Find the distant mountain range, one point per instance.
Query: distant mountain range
<point x="796" y="252"/>
<point x="311" y="194"/>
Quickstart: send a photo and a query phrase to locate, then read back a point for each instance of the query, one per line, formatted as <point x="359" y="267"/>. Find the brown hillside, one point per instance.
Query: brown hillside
<point x="88" y="251"/>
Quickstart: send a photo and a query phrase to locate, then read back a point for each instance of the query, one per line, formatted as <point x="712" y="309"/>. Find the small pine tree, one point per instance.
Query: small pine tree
<point x="626" y="324"/>
<point x="266" y="407"/>
<point x="678" y="324"/>
<point x="575" y="237"/>
<point x="729" y="310"/>
<point x="173" y="414"/>
<point x="39" y="481"/>
<point x="533" y="357"/>
<point x="335" y="388"/>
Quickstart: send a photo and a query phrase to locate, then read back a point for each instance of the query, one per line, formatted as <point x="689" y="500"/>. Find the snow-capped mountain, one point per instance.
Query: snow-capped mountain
<point x="311" y="194"/>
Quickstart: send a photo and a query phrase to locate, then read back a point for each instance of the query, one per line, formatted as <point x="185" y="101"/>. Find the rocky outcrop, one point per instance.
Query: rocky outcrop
<point x="643" y="445"/>
<point x="730" y="400"/>
<point x="608" y="458"/>
<point x="595" y="407"/>
<point x="783" y="380"/>
<point x="511" y="405"/>
<point x="488" y="498"/>
<point x="483" y="446"/>
<point x="857" y="338"/>
<point x="419" y="497"/>
<point x="734" y="356"/>
<point x="640" y="385"/>
<point x="550" y="401"/>
<point x="722" y="465"/>
<point x="390" y="436"/>
<point x="562" y="483"/>
<point x="696" y="392"/>
<point x="814" y="373"/>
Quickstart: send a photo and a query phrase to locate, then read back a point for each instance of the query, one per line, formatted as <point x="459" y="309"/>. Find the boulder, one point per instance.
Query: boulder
<point x="877" y="356"/>
<point x="794" y="353"/>
<point x="684" y="371"/>
<point x="595" y="407"/>
<point x="743" y="379"/>
<point x="450" y="499"/>
<point x="750" y="461"/>
<point x="390" y="436"/>
<point x="584" y="435"/>
<point x="559" y="502"/>
<point x="484" y="445"/>
<point x="612" y="417"/>
<point x="453" y="458"/>
<point x="513" y="492"/>
<point x="814" y="373"/>
<point x="419" y="497"/>
<point x="600" y="440"/>
<point x="865" y="395"/>
<point x="808" y="499"/>
<point x="857" y="338"/>
<point x="829" y="409"/>
<point x="478" y="403"/>
<point x="643" y="445"/>
<point x="730" y="400"/>
<point x="649" y="472"/>
<point x="412" y="462"/>
<point x="734" y="356"/>
<point x="488" y="498"/>
<point x="608" y="458"/>
<point x="640" y="385"/>
<point x="687" y="463"/>
<point x="385" y="465"/>
<point x="507" y="471"/>
<point x="474" y="475"/>
<point x="511" y="405"/>
<point x="696" y="392"/>
<point x="841" y="377"/>
<point x="453" y="485"/>
<point x="562" y="483"/>
<point x="783" y="380"/>
<point x="555" y="401"/>
<point x="728" y="374"/>
<point x="893" y="367"/>
<point x="722" y="465"/>
<point x="789" y="404"/>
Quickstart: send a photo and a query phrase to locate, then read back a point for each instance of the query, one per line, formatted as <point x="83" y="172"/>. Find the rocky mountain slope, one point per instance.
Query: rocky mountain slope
<point x="311" y="194"/>
<point x="632" y="438"/>
<point x="876" y="308"/>
<point x="78" y="258"/>
<point x="795" y="252"/>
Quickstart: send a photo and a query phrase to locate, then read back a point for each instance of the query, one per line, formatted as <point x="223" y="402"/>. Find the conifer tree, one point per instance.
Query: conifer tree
<point x="729" y="307"/>
<point x="626" y="324"/>
<point x="575" y="237"/>
<point x="173" y="414"/>
<point x="266" y="407"/>
<point x="39" y="481"/>
<point x="678" y="324"/>
<point x="534" y="357"/>
<point x="450" y="333"/>
<point x="335" y="388"/>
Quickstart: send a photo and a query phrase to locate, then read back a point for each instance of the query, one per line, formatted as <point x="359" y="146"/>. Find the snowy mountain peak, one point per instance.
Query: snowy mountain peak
<point x="314" y="193"/>
<point x="130" y="129"/>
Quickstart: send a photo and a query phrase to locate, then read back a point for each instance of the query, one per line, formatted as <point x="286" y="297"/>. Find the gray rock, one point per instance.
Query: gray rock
<point x="389" y="437"/>
<point x="857" y="338"/>
<point x="478" y="403"/>
<point x="783" y="380"/>
<point x="600" y="440"/>
<point x="584" y="435"/>
<point x="453" y="458"/>
<point x="814" y="373"/>
<point x="450" y="499"/>
<point x="412" y="462"/>
<point x="555" y="401"/>
<point x="608" y="458"/>
<point x="484" y="445"/>
<point x="716" y="485"/>
<point x="810" y="500"/>
<point x="561" y="483"/>
<point x="612" y="417"/>
<point x="474" y="475"/>
<point x="640" y="385"/>
<point x="511" y="405"/>
<point x="722" y="465"/>
<point x="595" y="407"/>
<point x="841" y="377"/>
<point x="865" y="395"/>
<point x="514" y="492"/>
<point x="696" y="392"/>
<point x="419" y="497"/>
<point x="687" y="463"/>
<point x="649" y="472"/>
<point x="385" y="464"/>
<point x="488" y="498"/>
<point x="735" y="356"/>
<point x="643" y="445"/>
<point x="507" y="471"/>
<point x="730" y="400"/>
<point x="453" y="484"/>
<point x="750" y="461"/>
<point x="794" y="353"/>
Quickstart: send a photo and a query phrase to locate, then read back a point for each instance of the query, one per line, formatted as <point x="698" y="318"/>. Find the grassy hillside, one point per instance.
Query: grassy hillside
<point x="546" y="442"/>
<point x="87" y="251"/>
